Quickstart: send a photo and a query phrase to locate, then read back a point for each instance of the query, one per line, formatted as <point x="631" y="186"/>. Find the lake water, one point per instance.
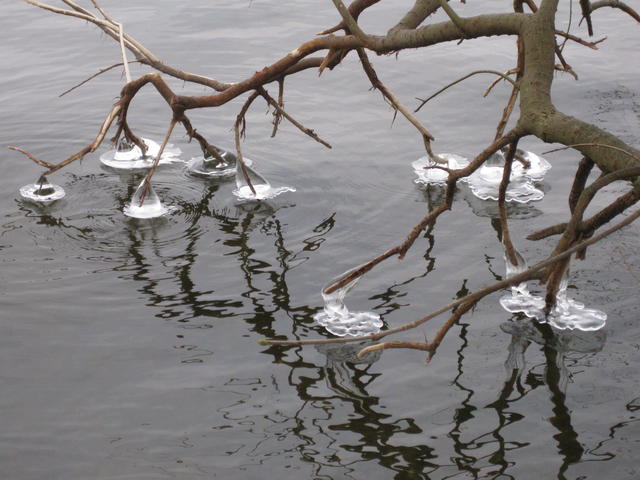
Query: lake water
<point x="128" y="348"/>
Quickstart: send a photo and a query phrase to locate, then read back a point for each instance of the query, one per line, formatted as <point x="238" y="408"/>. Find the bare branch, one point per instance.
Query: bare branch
<point x="602" y="145"/>
<point x="100" y="72"/>
<point x="502" y="194"/>
<point x="355" y="9"/>
<point x="616" y="4"/>
<point x="375" y="81"/>
<point x="430" y="218"/>
<point x="240" y="119"/>
<point x="42" y="163"/>
<point x="298" y="125"/>
<point x="350" y="22"/>
<point x="156" y="161"/>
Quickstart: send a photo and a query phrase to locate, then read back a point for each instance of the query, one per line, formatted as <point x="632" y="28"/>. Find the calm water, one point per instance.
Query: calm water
<point x="128" y="349"/>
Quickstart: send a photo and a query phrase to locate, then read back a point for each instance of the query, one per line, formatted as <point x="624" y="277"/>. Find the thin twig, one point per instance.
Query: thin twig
<point x="156" y="161"/>
<point x="618" y="149"/>
<point x="79" y="155"/>
<point x="593" y="45"/>
<point x="240" y="119"/>
<point x="388" y="94"/>
<point x="494" y="72"/>
<point x="42" y="163"/>
<point x="277" y="116"/>
<point x="100" y="72"/>
<point x="502" y="195"/>
<point x="271" y="101"/>
<point x="123" y="52"/>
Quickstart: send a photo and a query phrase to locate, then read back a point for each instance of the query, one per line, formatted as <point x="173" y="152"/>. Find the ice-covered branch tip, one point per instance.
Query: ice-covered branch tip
<point x="531" y="273"/>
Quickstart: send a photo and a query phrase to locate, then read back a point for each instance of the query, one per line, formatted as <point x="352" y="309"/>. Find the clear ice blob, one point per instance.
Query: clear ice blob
<point x="485" y="182"/>
<point x="567" y="314"/>
<point x="520" y="300"/>
<point x="536" y="169"/>
<point x="42" y="191"/>
<point x="337" y="318"/>
<point x="437" y="176"/>
<point x="127" y="156"/>
<point x="210" y="167"/>
<point x="263" y="189"/>
<point x="152" y="207"/>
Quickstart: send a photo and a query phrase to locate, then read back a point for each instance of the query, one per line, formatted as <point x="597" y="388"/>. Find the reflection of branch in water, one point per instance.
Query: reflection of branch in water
<point x="632" y="407"/>
<point x="390" y="295"/>
<point x="555" y="346"/>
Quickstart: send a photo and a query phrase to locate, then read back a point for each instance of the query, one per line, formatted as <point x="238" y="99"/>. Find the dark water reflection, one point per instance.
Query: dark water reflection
<point x="128" y="349"/>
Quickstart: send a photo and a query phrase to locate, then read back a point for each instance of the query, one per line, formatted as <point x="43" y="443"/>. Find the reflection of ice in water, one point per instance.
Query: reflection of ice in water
<point x="563" y="342"/>
<point x="437" y="176"/>
<point x="210" y="166"/>
<point x="42" y="191"/>
<point x="263" y="189"/>
<point x="343" y="359"/>
<point x="566" y="314"/>
<point x="151" y="207"/>
<point x="337" y="318"/>
<point x="128" y="156"/>
<point x="485" y="182"/>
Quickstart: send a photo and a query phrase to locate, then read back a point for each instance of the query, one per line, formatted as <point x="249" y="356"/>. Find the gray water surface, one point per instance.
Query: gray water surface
<point x="128" y="349"/>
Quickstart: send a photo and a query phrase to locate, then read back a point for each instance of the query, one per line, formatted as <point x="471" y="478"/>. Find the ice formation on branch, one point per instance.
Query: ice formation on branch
<point x="42" y="191"/>
<point x="152" y="207"/>
<point x="337" y="318"/>
<point x="430" y="171"/>
<point x="127" y="156"/>
<point x="485" y="182"/>
<point x="567" y="314"/>
<point x="210" y="167"/>
<point x="262" y="189"/>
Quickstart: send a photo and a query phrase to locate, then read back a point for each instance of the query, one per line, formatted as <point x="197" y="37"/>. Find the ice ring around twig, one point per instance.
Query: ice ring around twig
<point x="485" y="182"/>
<point x="567" y="314"/>
<point x="338" y="320"/>
<point x="211" y="167"/>
<point x="428" y="175"/>
<point x="262" y="189"/>
<point x="42" y="191"/>
<point x="127" y="156"/>
<point x="152" y="207"/>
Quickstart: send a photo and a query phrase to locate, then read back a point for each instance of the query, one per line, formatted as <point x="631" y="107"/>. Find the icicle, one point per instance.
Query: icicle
<point x="263" y="189"/>
<point x="437" y="176"/>
<point x="151" y="207"/>
<point x="127" y="156"/>
<point x="520" y="299"/>
<point x="337" y="318"/>
<point x="42" y="191"/>
<point x="210" y="167"/>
